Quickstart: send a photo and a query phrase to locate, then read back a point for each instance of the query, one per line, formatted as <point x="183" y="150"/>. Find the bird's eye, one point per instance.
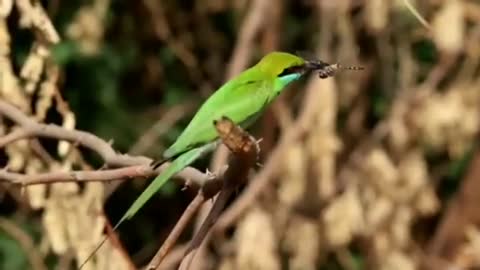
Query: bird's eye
<point x="291" y="70"/>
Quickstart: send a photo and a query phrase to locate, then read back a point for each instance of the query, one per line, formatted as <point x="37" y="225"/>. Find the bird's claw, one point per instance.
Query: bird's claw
<point x="258" y="150"/>
<point x="257" y="145"/>
<point x="210" y="174"/>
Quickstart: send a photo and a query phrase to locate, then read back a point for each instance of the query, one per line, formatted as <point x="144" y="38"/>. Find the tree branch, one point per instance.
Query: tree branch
<point x="270" y="169"/>
<point x="30" y="128"/>
<point x="133" y="166"/>
<point x="244" y="149"/>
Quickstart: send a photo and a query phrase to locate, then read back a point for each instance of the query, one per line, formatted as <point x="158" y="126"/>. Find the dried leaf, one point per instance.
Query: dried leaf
<point x="449" y="28"/>
<point x="256" y="242"/>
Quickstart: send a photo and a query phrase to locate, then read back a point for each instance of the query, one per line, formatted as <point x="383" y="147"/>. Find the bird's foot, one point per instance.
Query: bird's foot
<point x="157" y="163"/>
<point x="258" y="149"/>
<point x="210" y="175"/>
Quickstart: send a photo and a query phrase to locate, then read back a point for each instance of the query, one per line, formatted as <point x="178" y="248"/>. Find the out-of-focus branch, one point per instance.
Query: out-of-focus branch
<point x="252" y="25"/>
<point x="26" y="242"/>
<point x="163" y="124"/>
<point x="133" y="166"/>
<point x="462" y="211"/>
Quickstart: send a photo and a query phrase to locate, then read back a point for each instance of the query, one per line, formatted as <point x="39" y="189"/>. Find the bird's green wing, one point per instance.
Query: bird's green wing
<point x="239" y="99"/>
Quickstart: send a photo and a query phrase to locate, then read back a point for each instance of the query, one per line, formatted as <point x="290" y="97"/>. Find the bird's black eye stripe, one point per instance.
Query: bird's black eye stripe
<point x="290" y="70"/>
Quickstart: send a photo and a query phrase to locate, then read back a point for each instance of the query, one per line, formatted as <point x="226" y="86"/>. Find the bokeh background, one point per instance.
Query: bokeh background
<point x="375" y="169"/>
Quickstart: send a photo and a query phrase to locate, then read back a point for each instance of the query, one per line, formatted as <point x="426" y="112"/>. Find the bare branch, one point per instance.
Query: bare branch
<point x="245" y="150"/>
<point x="78" y="176"/>
<point x="133" y="166"/>
<point x="177" y="231"/>
<point x="193" y="177"/>
<point x="163" y="124"/>
<point x="14" y="136"/>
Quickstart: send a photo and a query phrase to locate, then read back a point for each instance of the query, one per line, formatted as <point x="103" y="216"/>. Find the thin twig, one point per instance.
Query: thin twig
<point x="176" y="231"/>
<point x="207" y="191"/>
<point x="461" y="212"/>
<point x="417" y="15"/>
<point x="193" y="177"/>
<point x="163" y="124"/>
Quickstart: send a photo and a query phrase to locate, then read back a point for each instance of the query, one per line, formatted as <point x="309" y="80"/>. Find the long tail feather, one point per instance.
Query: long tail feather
<point x="176" y="166"/>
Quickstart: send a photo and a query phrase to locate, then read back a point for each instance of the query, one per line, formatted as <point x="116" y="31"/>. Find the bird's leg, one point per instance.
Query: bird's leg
<point x="210" y="175"/>
<point x="157" y="163"/>
<point x="258" y="150"/>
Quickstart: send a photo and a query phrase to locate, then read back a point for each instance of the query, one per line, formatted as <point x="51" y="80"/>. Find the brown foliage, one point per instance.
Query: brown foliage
<point x="335" y="181"/>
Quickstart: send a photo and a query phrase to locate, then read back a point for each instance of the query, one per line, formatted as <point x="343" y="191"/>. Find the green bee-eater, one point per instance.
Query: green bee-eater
<point x="242" y="99"/>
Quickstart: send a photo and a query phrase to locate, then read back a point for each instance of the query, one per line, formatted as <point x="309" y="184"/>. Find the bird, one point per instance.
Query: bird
<point x="241" y="99"/>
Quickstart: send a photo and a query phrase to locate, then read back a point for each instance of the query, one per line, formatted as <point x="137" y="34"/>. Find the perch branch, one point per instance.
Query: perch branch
<point x="245" y="150"/>
<point x="270" y="168"/>
<point x="243" y="146"/>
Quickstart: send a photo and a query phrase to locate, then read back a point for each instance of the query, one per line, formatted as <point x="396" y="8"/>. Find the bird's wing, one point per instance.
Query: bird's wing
<point x="239" y="100"/>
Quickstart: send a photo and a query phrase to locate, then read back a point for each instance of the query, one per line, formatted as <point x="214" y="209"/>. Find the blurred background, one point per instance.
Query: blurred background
<point x="377" y="169"/>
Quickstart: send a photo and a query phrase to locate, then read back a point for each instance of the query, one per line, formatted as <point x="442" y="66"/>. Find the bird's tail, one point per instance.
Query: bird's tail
<point x="181" y="162"/>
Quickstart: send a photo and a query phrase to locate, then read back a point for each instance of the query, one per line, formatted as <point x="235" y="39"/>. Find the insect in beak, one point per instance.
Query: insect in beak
<point x="326" y="70"/>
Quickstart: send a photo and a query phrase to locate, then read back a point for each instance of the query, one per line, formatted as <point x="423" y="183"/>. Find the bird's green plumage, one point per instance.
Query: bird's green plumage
<point x="241" y="99"/>
<point x="176" y="166"/>
<point x="238" y="99"/>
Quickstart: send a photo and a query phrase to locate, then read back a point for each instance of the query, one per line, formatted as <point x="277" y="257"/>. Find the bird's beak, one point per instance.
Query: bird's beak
<point x="326" y="70"/>
<point x="313" y="65"/>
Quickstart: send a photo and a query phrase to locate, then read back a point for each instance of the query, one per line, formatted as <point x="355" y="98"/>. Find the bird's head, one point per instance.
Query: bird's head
<point x="279" y="64"/>
<point x="288" y="67"/>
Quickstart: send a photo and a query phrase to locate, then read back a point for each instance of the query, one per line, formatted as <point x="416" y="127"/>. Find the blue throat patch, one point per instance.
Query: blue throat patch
<point x="290" y="78"/>
<point x="283" y="81"/>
